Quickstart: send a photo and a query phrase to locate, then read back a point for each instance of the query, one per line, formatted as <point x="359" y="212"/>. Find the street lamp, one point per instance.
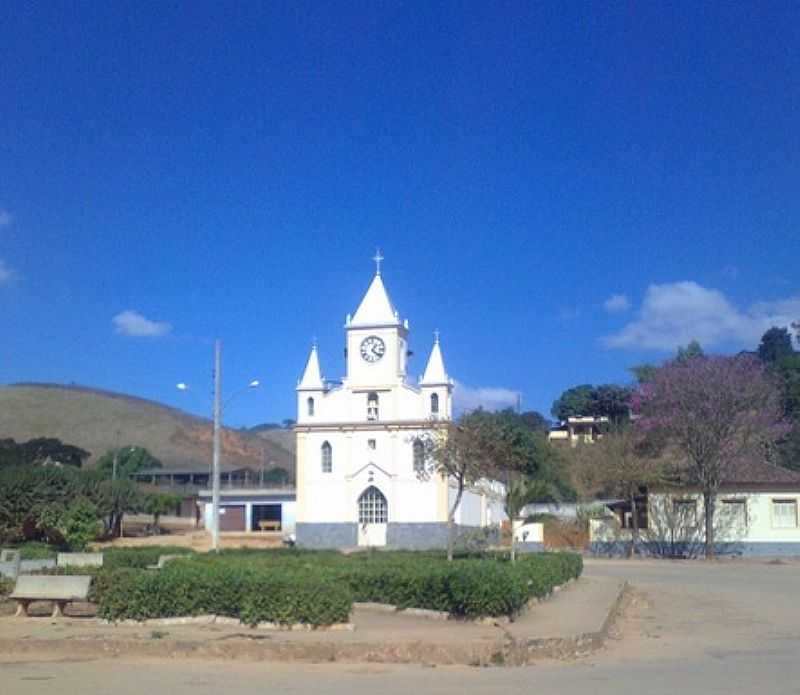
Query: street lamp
<point x="217" y="418"/>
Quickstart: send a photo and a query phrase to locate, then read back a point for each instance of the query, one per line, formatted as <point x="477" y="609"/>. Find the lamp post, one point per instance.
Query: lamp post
<point x="217" y="420"/>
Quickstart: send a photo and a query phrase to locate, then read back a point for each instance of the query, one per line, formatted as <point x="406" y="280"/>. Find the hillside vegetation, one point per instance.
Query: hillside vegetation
<point x="100" y="420"/>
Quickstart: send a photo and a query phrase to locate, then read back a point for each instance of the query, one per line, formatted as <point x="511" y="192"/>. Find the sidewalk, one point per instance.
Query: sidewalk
<point x="571" y="622"/>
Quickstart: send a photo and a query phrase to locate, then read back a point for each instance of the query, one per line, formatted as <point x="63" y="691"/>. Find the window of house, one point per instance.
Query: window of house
<point x="327" y="457"/>
<point x="372" y="406"/>
<point x="310" y="404"/>
<point x="434" y="404"/>
<point x="419" y="456"/>
<point x="734" y="512"/>
<point x="371" y="444"/>
<point x="784" y="513"/>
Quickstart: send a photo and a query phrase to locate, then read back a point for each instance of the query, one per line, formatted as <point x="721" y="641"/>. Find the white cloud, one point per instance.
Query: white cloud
<point x="5" y="272"/>
<point x="676" y="313"/>
<point x="132" y="323"/>
<point x="486" y="397"/>
<point x="617" y="303"/>
<point x="5" y="218"/>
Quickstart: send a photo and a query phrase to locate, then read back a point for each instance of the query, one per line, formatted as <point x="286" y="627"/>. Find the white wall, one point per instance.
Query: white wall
<point x="686" y="523"/>
<point x="333" y="497"/>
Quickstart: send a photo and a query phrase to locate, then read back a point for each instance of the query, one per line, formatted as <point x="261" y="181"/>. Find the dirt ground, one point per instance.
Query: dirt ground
<point x="182" y="532"/>
<point x="694" y="627"/>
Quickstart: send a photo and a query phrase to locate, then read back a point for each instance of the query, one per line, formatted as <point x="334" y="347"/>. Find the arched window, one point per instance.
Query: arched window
<point x="419" y="456"/>
<point x="327" y="457"/>
<point x="434" y="404"/>
<point x="372" y="406"/>
<point x="372" y="507"/>
<point x="310" y="403"/>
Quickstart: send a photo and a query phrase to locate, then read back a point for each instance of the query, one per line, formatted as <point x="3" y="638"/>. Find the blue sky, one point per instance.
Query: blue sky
<point x="562" y="189"/>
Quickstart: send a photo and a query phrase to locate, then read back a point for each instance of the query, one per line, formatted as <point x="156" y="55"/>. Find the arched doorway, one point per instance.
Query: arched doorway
<point x="373" y="515"/>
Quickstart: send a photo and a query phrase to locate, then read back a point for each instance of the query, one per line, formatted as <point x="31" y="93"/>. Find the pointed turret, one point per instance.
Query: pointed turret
<point x="312" y="376"/>
<point x="434" y="371"/>
<point x="376" y="308"/>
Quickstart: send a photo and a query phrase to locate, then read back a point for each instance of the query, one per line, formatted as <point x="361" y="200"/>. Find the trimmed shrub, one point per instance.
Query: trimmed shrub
<point x="6" y="587"/>
<point x="79" y="524"/>
<point x="318" y="588"/>
<point x="292" y="599"/>
<point x="141" y="557"/>
<point x="36" y="550"/>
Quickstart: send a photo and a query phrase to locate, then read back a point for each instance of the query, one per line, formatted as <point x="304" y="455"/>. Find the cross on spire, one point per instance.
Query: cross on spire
<point x="377" y="258"/>
<point x="436" y="336"/>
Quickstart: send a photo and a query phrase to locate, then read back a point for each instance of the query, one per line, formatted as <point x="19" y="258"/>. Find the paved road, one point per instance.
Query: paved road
<point x="731" y="627"/>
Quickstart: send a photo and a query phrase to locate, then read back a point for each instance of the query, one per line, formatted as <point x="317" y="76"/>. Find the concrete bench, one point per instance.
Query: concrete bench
<point x="28" y="566"/>
<point x="61" y="590"/>
<point x="80" y="560"/>
<point x="10" y="563"/>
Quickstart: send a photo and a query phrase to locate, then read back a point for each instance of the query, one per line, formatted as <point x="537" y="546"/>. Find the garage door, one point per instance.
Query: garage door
<point x="231" y="517"/>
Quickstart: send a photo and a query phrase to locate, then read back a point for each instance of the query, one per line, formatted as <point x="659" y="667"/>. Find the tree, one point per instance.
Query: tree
<point x="128" y="460"/>
<point x="611" y="401"/>
<point x="500" y="446"/>
<point x="535" y="421"/>
<point x="522" y="490"/>
<point x="717" y="413"/>
<point x="457" y="452"/>
<point x="692" y="351"/>
<point x="775" y="344"/>
<point x="606" y="400"/>
<point x="79" y="525"/>
<point x="621" y="464"/>
<point x="41" y="451"/>
<point x="159" y="503"/>
<point x="643" y="372"/>
<point x="574" y="402"/>
<point x="114" y="499"/>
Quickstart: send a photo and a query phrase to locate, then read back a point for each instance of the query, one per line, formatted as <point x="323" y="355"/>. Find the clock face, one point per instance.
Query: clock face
<point x="372" y="348"/>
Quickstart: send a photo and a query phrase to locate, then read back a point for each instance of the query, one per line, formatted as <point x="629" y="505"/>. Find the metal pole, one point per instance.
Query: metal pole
<point x="215" y="462"/>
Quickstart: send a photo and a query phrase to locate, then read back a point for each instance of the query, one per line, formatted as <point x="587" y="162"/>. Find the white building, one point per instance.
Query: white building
<point x="361" y="468"/>
<point x="756" y="514"/>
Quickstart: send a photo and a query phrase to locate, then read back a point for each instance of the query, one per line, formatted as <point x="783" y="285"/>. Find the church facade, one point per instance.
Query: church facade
<point x="362" y="474"/>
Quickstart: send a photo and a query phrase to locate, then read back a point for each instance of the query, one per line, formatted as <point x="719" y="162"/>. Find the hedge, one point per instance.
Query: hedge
<point x="251" y="594"/>
<point x="319" y="588"/>
<point x="141" y="557"/>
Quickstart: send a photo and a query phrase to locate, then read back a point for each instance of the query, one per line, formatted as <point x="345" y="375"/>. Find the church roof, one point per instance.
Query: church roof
<point x="376" y="308"/>
<point x="434" y="371"/>
<point x="312" y="376"/>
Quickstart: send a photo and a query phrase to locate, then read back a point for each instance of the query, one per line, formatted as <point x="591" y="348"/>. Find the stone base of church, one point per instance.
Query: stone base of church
<point x="320" y="536"/>
<point x="399" y="536"/>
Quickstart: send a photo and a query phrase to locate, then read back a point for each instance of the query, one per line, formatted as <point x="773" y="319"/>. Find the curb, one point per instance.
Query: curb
<point x="505" y="650"/>
<point x="525" y="652"/>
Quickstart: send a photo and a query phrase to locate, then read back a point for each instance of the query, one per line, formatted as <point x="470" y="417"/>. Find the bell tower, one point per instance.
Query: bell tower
<point x="376" y="339"/>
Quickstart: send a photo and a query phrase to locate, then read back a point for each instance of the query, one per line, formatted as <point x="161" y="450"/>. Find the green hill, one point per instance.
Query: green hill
<point x="100" y="420"/>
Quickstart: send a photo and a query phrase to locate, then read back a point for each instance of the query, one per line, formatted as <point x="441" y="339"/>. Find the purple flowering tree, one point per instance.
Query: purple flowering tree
<point x="717" y="415"/>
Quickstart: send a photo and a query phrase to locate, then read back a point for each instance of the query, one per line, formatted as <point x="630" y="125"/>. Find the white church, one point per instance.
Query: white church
<point x="361" y="465"/>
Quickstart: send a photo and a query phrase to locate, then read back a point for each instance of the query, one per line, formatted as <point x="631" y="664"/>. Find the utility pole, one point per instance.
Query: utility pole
<point x="116" y="454"/>
<point x="215" y="462"/>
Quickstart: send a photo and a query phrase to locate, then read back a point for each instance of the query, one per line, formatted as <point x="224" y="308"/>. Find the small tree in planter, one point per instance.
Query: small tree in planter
<point x="160" y="503"/>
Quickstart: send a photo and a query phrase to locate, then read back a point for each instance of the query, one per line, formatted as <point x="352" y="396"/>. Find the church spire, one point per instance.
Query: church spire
<point x="312" y="376"/>
<point x="376" y="308"/>
<point x="434" y="371"/>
